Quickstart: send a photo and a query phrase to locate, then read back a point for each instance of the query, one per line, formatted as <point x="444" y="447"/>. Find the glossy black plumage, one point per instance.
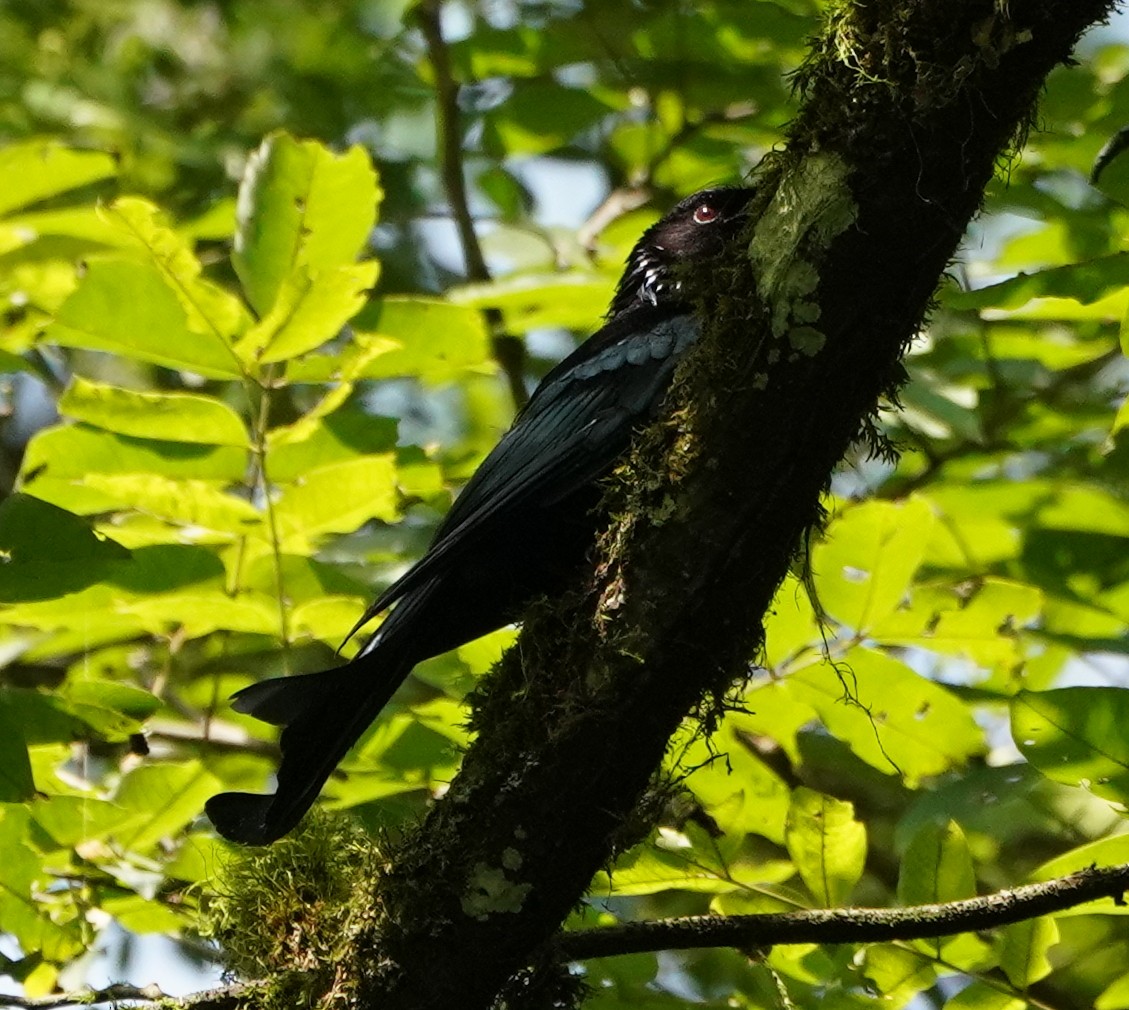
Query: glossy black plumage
<point x="519" y="529"/>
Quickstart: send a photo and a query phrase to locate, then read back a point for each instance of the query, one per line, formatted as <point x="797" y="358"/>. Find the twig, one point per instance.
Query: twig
<point x="617" y="203"/>
<point x="848" y="925"/>
<point x="508" y="349"/>
<point x="116" y="991"/>
<point x="223" y="998"/>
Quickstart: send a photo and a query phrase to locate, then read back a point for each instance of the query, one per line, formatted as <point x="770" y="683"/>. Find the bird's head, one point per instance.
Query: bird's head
<point x="696" y="227"/>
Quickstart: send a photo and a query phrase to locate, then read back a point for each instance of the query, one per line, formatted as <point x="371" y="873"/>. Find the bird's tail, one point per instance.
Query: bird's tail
<point x="322" y="715"/>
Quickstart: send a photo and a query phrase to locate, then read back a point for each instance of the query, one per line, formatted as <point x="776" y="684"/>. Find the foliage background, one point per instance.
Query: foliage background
<point x="256" y="371"/>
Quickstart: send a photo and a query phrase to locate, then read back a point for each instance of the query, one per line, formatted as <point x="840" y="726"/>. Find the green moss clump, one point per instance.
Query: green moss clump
<point x="285" y="914"/>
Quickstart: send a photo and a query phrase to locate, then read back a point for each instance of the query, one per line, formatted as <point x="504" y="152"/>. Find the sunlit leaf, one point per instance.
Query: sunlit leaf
<point x="211" y="311"/>
<point x="24" y="917"/>
<point x="740" y="792"/>
<point x="1110" y="851"/>
<point x="308" y="310"/>
<point x="187" y="502"/>
<point x="337" y="499"/>
<point x="140" y="915"/>
<point x="527" y="301"/>
<point x="70" y="452"/>
<point x="1115" y="996"/>
<point x="69" y="820"/>
<point x="300" y="204"/>
<point x="1086" y="282"/>
<point x="897" y="973"/>
<point x="981" y="996"/>
<point x="868" y="559"/>
<point x="127" y="308"/>
<point x="651" y="870"/>
<point x="163" y="799"/>
<point x="177" y="417"/>
<point x="437" y="340"/>
<point x="893" y="718"/>
<point x="38" y="169"/>
<point x="980" y="621"/>
<point x="827" y="844"/>
<point x="1023" y="950"/>
<point x="936" y="866"/>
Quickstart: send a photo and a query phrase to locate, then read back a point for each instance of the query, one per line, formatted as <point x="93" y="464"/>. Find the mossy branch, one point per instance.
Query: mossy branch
<point x="848" y="925"/>
<point x="744" y="932"/>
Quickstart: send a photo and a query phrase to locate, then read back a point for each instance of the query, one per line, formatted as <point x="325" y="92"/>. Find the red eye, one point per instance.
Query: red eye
<point x="704" y="213"/>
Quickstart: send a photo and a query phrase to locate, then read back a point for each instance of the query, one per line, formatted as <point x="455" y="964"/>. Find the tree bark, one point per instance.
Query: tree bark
<point x="908" y="106"/>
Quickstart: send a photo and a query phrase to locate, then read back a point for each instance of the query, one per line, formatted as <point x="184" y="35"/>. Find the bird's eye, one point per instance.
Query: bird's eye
<point x="704" y="213"/>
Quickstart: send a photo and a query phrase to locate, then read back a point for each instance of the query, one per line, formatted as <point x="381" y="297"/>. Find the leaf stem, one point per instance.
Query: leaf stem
<point x="509" y="351"/>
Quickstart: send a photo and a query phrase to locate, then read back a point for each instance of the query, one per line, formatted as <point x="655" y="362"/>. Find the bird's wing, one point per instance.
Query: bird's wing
<point x="578" y="421"/>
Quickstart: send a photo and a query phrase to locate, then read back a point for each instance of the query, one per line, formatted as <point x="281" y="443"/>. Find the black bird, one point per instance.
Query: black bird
<point x="523" y="523"/>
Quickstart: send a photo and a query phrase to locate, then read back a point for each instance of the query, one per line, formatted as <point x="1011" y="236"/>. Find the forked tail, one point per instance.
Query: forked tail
<point x="323" y="715"/>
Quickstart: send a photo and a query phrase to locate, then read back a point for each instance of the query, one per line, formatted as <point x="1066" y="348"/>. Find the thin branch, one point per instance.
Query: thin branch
<point x="617" y="203"/>
<point x="259" y="446"/>
<point x="214" y="735"/>
<point x="849" y="925"/>
<point x="508" y="349"/>
<point x="223" y="998"/>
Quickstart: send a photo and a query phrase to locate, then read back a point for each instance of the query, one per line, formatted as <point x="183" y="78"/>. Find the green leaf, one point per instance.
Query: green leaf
<point x="329" y="618"/>
<point x="433" y="340"/>
<point x="199" y="612"/>
<point x="775" y="712"/>
<point x="140" y="915"/>
<point x="869" y="558"/>
<point x="936" y="867"/>
<point x="1023" y="950"/>
<point x="16" y="782"/>
<point x="210" y="310"/>
<point x="42" y="718"/>
<point x="981" y="621"/>
<point x="651" y="870"/>
<point x="336" y="499"/>
<point x="981" y="996"/>
<point x="528" y="301"/>
<point x="46" y="551"/>
<point x="296" y="449"/>
<point x="897" y="974"/>
<point x="163" y="799"/>
<point x="24" y="916"/>
<point x="70" y="452"/>
<point x="827" y="845"/>
<point x="127" y="308"/>
<point x="740" y="792"/>
<point x="193" y="503"/>
<point x="132" y="702"/>
<point x="541" y="116"/>
<point x="69" y="820"/>
<point x="1110" y="851"/>
<point x="1087" y="281"/>
<point x="309" y="309"/>
<point x="177" y="417"/>
<point x="894" y="719"/>
<point x="1115" y="996"/>
<point x="1076" y="735"/>
<point x="39" y="169"/>
<point x="1085" y="507"/>
<point x="299" y="204"/>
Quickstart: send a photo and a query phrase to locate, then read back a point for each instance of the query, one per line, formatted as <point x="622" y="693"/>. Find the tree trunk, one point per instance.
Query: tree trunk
<point x="908" y="106"/>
